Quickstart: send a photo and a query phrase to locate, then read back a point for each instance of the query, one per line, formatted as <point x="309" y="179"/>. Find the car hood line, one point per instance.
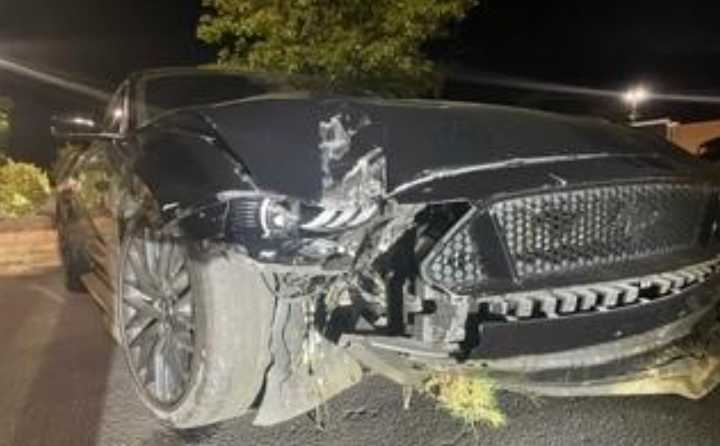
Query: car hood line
<point x="440" y="173"/>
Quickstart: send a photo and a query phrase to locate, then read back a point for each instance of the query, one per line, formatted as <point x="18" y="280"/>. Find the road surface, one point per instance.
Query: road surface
<point x="62" y="382"/>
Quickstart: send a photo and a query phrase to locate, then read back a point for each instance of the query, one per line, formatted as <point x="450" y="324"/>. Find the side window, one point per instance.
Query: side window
<point x="116" y="115"/>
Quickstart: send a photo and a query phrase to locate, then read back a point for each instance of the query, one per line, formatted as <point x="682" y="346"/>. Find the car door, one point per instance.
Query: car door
<point x="98" y="187"/>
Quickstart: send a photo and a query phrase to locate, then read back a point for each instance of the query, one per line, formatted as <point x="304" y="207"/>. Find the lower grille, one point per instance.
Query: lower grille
<point x="565" y="232"/>
<point x="606" y="296"/>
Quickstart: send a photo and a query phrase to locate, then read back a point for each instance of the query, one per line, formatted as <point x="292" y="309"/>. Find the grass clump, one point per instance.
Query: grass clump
<point x="469" y="397"/>
<point x="24" y="189"/>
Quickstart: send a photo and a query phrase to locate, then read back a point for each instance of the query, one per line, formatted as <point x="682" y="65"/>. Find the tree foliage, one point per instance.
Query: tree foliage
<point x="24" y="188"/>
<point x="347" y="42"/>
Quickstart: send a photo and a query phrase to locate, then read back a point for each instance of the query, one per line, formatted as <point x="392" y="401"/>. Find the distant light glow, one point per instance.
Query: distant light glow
<point x="633" y="98"/>
<point x="554" y="87"/>
<point x="52" y="79"/>
<point x="636" y="95"/>
<point x="118" y="113"/>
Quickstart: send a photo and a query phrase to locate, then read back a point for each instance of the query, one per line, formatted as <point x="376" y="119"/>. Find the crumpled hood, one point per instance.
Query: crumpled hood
<point x="303" y="146"/>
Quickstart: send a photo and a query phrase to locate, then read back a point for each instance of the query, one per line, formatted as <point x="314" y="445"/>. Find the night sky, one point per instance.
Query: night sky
<point x="672" y="47"/>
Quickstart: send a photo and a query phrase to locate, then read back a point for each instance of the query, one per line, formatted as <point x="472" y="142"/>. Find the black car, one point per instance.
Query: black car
<point x="256" y="246"/>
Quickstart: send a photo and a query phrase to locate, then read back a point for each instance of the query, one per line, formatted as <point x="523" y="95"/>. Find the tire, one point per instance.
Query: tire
<point x="232" y="310"/>
<point x="74" y="257"/>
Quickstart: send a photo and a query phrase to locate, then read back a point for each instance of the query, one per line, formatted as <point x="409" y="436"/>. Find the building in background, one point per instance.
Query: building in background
<point x="700" y="138"/>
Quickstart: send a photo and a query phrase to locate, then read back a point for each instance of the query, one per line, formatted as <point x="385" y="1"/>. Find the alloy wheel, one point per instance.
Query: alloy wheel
<point x="157" y="316"/>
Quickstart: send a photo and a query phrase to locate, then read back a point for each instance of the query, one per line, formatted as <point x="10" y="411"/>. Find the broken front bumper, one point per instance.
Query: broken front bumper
<point x="689" y="367"/>
<point x="668" y="344"/>
<point x="546" y="321"/>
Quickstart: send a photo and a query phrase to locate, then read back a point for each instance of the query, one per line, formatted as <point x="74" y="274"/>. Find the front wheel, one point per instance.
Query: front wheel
<point x="195" y="328"/>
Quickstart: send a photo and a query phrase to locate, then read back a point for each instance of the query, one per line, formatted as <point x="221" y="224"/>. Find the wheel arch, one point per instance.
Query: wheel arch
<point x="185" y="164"/>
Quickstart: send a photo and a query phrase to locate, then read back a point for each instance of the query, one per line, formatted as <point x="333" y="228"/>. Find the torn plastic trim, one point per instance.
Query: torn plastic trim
<point x="599" y="354"/>
<point x="435" y="174"/>
<point x="689" y="368"/>
<point x="690" y="377"/>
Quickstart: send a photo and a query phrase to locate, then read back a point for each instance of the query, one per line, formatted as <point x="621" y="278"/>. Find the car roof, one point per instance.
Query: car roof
<point x="162" y="72"/>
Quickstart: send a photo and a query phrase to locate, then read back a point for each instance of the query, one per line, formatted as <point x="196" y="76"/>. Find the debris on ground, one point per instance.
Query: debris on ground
<point x="469" y="397"/>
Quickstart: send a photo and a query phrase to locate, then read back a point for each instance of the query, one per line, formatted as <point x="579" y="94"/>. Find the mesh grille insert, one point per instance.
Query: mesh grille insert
<point x="571" y="231"/>
<point x="455" y="262"/>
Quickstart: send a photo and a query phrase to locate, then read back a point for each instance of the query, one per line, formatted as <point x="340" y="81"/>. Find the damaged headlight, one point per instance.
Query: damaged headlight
<point x="279" y="217"/>
<point x="252" y="216"/>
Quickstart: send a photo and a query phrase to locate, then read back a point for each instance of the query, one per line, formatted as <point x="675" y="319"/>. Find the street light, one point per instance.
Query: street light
<point x="633" y="97"/>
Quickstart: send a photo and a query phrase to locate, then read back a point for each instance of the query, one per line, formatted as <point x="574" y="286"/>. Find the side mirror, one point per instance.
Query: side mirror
<point x="78" y="127"/>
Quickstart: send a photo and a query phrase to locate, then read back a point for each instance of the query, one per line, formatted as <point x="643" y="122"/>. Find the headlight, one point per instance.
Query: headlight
<point x="279" y="216"/>
<point x="252" y="216"/>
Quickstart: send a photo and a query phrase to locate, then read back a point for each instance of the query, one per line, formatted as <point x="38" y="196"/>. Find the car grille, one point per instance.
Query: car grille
<point x="606" y="296"/>
<point x="572" y="231"/>
<point x="455" y="262"/>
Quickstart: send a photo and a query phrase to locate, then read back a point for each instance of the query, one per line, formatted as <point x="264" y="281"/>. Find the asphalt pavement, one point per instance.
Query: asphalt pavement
<point x="62" y="382"/>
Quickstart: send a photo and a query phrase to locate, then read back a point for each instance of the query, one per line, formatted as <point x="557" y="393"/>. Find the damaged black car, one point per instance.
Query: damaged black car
<point x="254" y="246"/>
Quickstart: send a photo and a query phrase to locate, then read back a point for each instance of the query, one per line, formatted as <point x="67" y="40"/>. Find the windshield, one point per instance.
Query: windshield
<point x="157" y="95"/>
